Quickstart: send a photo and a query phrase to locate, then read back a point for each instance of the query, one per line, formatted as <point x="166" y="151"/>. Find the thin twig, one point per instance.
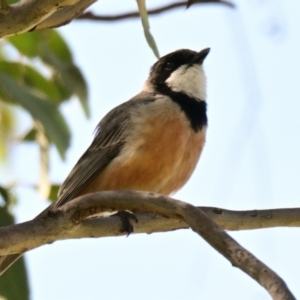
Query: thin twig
<point x="107" y="18"/>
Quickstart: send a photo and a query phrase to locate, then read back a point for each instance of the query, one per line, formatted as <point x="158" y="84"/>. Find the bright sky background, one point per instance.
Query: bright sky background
<point x="251" y="159"/>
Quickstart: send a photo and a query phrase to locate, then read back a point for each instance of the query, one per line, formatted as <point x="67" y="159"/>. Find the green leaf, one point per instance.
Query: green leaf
<point x="57" y="45"/>
<point x="4" y="8"/>
<point x="40" y="108"/>
<point x="33" y="44"/>
<point x="71" y="76"/>
<point x="145" y="22"/>
<point x="4" y="195"/>
<point x="12" y="1"/>
<point x="33" y="79"/>
<point x="53" y="192"/>
<point x="50" y="47"/>
<point x="151" y="42"/>
<point x="52" y="196"/>
<point x="7" y="197"/>
<point x="68" y="77"/>
<point x="26" y="43"/>
<point x="14" y="282"/>
<point x="30" y="136"/>
<point x="7" y="126"/>
<point x="64" y="91"/>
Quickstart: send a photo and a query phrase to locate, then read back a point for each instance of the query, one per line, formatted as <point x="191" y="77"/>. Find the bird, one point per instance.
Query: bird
<point x="151" y="142"/>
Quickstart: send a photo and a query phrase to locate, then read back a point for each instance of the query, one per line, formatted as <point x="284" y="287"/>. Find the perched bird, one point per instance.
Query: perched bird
<point x="151" y="142"/>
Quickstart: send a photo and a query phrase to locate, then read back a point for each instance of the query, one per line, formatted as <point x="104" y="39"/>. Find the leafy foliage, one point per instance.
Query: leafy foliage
<point x="38" y="74"/>
<point x="42" y="79"/>
<point x="41" y="109"/>
<point x="14" y="283"/>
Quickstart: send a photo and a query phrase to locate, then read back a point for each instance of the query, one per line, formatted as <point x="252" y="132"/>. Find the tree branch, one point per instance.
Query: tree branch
<point x="27" y="15"/>
<point x="30" y="235"/>
<point x="227" y="219"/>
<point x="132" y="15"/>
<point x="65" y="15"/>
<point x="71" y="221"/>
<point x="24" y="15"/>
<point x="254" y="219"/>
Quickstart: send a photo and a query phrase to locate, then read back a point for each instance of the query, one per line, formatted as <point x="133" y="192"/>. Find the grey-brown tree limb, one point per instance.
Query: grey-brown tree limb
<point x="28" y="15"/>
<point x="155" y="213"/>
<point x="25" y="15"/>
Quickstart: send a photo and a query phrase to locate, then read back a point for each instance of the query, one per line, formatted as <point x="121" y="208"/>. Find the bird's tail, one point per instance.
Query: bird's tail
<point x="7" y="261"/>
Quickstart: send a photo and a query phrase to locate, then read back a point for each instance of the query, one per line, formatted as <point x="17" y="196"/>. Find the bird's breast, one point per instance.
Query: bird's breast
<point x="160" y="153"/>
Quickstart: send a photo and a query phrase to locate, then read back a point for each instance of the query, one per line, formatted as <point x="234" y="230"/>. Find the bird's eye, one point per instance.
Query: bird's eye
<point x="169" y="65"/>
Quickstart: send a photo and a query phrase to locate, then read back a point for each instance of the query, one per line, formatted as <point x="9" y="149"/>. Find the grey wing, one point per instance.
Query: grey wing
<point x="105" y="147"/>
<point x="107" y="144"/>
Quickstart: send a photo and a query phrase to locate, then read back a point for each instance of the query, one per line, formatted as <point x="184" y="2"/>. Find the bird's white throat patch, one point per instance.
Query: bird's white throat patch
<point x="189" y="80"/>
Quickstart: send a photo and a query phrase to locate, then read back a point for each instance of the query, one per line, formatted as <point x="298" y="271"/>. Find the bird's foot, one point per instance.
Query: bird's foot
<point x="125" y="217"/>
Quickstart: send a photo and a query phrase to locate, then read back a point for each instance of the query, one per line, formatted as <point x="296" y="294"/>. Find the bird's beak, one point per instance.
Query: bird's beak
<point x="200" y="56"/>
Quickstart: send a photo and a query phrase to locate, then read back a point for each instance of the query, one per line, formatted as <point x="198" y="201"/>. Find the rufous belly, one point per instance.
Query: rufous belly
<point x="160" y="155"/>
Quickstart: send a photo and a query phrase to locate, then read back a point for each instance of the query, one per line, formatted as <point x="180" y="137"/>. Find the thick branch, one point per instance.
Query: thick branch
<point x="37" y="232"/>
<point x="66" y="15"/>
<point x="26" y="14"/>
<point x="70" y="220"/>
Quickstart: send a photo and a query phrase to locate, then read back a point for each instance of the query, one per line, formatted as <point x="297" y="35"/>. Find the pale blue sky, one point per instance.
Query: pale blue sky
<point x="250" y="160"/>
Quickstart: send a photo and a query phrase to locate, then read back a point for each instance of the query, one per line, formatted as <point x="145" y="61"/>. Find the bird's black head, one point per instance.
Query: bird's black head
<point x="181" y="71"/>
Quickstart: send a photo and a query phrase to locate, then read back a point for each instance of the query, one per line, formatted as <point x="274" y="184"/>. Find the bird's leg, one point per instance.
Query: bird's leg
<point x="125" y="217"/>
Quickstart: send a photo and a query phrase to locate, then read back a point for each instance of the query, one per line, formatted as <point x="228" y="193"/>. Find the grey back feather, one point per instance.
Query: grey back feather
<point x="108" y="142"/>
